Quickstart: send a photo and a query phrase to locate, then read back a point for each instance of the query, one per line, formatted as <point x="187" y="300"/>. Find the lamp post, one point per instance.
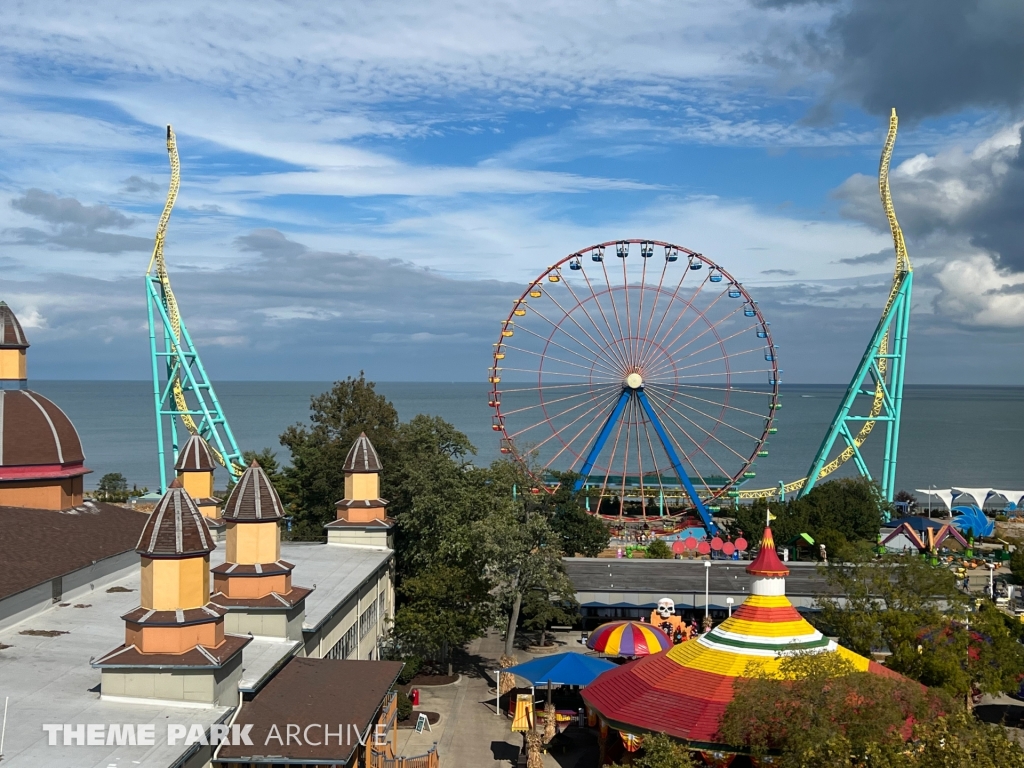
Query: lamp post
<point x="729" y="601"/>
<point x="930" y="488"/>
<point x="707" y="583"/>
<point x="991" y="585"/>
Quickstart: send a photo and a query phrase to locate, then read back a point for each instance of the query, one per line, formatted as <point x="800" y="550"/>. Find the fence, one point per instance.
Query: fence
<point x="429" y="760"/>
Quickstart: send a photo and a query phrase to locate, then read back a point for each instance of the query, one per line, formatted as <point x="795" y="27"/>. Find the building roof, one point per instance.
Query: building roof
<point x="362" y="456"/>
<point x="314" y="691"/>
<point x="11" y="334"/>
<point x="684" y="691"/>
<point x="253" y="499"/>
<point x="175" y="528"/>
<point x="195" y="456"/>
<point x="37" y="545"/>
<point x="767" y="562"/>
<point x="35" y="433"/>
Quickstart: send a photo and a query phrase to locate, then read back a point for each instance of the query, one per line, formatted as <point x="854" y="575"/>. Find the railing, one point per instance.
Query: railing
<point x="428" y="760"/>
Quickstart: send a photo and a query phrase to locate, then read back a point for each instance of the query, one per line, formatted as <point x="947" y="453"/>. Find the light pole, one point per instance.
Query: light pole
<point x="729" y="601"/>
<point x="707" y="583"/>
<point x="991" y="585"/>
<point x="930" y="487"/>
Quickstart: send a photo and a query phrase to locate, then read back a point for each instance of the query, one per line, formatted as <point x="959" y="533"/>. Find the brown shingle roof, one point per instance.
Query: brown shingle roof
<point x="315" y="691"/>
<point x="175" y="528"/>
<point x="11" y="334"/>
<point x="254" y="499"/>
<point x="362" y="456"/>
<point x="37" y="545"/>
<point x="195" y="456"/>
<point x="34" y="431"/>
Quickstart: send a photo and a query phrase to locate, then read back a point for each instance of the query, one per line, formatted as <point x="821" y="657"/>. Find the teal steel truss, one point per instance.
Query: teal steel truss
<point x="880" y="378"/>
<point x="181" y="389"/>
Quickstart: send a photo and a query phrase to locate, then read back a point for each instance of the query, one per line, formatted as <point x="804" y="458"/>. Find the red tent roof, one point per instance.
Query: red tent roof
<point x="767" y="562"/>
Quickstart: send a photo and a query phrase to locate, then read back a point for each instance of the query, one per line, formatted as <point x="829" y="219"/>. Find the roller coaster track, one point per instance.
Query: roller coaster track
<point x="179" y="352"/>
<point x="903" y="269"/>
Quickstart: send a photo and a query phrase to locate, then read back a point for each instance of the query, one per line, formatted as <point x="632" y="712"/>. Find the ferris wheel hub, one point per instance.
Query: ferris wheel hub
<point x="634" y="380"/>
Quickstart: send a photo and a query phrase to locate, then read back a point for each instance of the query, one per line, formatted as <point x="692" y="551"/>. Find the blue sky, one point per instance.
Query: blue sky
<point x="369" y="186"/>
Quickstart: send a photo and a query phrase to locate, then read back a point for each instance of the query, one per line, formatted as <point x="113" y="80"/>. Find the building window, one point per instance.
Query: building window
<point x="344" y="647"/>
<point x="382" y="604"/>
<point x="368" y="620"/>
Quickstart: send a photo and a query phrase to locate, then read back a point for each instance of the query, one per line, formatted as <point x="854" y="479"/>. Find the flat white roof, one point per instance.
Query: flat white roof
<point x="49" y="680"/>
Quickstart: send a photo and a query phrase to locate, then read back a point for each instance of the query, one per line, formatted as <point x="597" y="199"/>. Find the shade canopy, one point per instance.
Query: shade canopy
<point x="562" y="669"/>
<point x="628" y="638"/>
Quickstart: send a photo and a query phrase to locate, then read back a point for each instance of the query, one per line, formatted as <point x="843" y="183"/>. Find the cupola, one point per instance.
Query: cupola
<point x="13" y="350"/>
<point x="195" y="467"/>
<point x="253" y="583"/>
<point x="361" y="516"/>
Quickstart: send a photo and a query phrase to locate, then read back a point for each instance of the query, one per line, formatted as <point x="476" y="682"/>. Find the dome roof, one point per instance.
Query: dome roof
<point x="254" y="499"/>
<point x="11" y="334"/>
<point x="34" y="431"/>
<point x="362" y="456"/>
<point x="176" y="528"/>
<point x="195" y="456"/>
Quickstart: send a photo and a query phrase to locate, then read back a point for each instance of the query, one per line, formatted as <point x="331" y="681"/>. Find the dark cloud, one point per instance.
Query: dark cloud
<point x="781" y="272"/>
<point x="137" y="184"/>
<point x="74" y="226"/>
<point x="977" y="197"/>
<point x="269" y="243"/>
<point x="67" y="210"/>
<point x="869" y="258"/>
<point x="924" y="57"/>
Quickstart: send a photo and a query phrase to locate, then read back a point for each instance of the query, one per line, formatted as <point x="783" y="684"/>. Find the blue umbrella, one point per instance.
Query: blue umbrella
<point x="562" y="669"/>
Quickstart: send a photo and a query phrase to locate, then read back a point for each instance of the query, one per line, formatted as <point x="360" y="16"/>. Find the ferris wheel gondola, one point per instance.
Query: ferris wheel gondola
<point x="644" y="367"/>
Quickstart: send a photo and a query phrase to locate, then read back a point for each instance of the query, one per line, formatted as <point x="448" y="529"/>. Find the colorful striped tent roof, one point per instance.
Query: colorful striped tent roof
<point x="684" y="692"/>
<point x="628" y="638"/>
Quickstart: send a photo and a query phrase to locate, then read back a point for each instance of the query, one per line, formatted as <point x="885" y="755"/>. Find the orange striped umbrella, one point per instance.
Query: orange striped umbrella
<point x="628" y="638"/>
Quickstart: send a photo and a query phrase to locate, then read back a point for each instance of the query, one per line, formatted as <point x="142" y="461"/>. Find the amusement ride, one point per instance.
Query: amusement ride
<point x="647" y="371"/>
<point x="181" y="389"/>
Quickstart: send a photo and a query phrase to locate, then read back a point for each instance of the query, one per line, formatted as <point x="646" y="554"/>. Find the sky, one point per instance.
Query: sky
<point x="368" y="185"/>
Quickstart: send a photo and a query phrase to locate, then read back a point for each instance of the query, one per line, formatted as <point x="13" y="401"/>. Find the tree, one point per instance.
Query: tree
<point x="443" y="608"/>
<point x="112" y="487"/>
<point x="915" y="611"/>
<point x="818" y="710"/>
<point x="579" y="532"/>
<point x="315" y="480"/>
<point x="661" y="751"/>
<point x="908" y="498"/>
<point x="659" y="550"/>
<point x="835" y="513"/>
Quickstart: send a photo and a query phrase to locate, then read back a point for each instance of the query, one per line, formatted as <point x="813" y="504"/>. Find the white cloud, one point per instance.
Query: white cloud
<point x="977" y="293"/>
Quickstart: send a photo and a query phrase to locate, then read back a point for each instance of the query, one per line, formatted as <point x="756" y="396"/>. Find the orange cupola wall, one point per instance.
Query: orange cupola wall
<point x="195" y="467"/>
<point x="254" y="582"/>
<point x="175" y="613"/>
<point x="175" y="645"/>
<point x="361" y="516"/>
<point x="41" y="459"/>
<point x="13" y="348"/>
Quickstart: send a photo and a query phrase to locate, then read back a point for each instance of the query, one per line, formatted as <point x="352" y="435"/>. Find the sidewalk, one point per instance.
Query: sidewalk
<point x="469" y="733"/>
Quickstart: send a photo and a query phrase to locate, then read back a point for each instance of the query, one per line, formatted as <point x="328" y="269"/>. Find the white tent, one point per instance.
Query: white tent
<point x="980" y="495"/>
<point x="1014" y="497"/>
<point x="945" y="496"/>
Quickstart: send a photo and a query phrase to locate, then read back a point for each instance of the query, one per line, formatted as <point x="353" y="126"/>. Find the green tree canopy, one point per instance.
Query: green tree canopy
<point x="315" y="480"/>
<point x="578" y="531"/>
<point x="914" y="611"/>
<point x="819" y="711"/>
<point x="661" y="751"/>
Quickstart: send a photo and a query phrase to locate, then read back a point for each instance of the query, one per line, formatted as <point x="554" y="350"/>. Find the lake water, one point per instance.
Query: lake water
<point x="967" y="436"/>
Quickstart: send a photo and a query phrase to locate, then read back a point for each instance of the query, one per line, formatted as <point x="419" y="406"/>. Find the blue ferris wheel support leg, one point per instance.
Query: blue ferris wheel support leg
<point x="684" y="478"/>
<point x="602" y="438"/>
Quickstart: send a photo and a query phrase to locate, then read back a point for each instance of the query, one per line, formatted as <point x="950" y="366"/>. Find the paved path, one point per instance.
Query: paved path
<point x="469" y="733"/>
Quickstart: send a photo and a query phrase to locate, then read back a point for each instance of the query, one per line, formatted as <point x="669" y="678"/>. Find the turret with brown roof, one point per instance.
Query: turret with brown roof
<point x="195" y="467"/>
<point x="361" y="515"/>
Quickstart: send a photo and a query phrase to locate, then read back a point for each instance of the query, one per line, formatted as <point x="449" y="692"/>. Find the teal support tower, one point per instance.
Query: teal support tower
<point x="881" y="371"/>
<point x="182" y="392"/>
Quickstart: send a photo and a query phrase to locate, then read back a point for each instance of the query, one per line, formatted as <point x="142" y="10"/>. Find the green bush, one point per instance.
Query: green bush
<point x="659" y="550"/>
<point x="404" y="706"/>
<point x="413" y="665"/>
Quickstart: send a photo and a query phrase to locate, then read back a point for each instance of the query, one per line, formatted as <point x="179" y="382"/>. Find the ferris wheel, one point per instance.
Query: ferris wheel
<point x="645" y="368"/>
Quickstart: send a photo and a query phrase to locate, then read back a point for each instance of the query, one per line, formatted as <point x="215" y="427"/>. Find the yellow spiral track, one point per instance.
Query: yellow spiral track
<point x="903" y="267"/>
<point x="157" y="261"/>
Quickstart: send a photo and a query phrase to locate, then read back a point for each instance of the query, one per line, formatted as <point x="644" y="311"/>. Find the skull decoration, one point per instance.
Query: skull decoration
<point x="666" y="607"/>
<point x="664" y="616"/>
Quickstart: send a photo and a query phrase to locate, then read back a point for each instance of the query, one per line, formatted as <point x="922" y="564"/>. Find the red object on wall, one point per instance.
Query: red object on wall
<point x="415" y="696"/>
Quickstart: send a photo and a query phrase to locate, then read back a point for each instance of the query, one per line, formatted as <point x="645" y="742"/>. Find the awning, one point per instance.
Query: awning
<point x="562" y="669"/>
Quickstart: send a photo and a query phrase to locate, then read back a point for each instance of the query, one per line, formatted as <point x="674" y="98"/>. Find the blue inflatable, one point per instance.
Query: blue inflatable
<point x="972" y="521"/>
